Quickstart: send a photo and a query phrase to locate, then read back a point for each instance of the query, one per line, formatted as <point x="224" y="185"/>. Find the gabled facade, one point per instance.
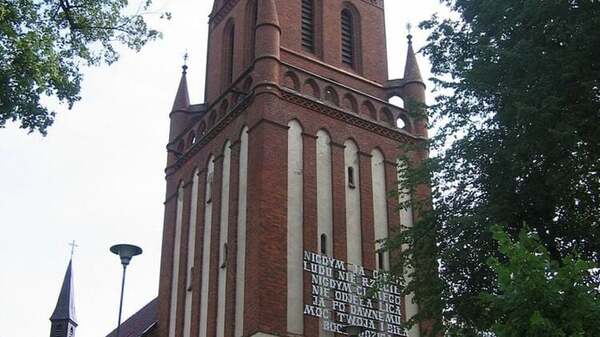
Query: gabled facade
<point x="277" y="185"/>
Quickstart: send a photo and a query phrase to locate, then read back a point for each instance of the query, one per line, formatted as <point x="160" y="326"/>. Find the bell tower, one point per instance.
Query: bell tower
<point x="278" y="184"/>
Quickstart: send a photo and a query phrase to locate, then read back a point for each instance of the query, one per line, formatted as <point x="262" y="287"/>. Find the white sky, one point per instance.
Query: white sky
<point x="97" y="177"/>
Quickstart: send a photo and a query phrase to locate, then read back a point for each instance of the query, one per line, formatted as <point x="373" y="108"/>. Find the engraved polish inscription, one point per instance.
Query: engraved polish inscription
<point x="345" y="294"/>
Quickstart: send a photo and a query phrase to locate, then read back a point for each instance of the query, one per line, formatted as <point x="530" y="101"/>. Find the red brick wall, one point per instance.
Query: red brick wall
<point x="373" y="72"/>
<point x="372" y="32"/>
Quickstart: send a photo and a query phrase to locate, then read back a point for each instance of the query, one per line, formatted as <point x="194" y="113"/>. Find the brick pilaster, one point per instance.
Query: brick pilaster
<point x="182" y="269"/>
<point x="234" y="179"/>
<point x="167" y="260"/>
<point x="267" y="226"/>
<point x="213" y="286"/>
<point x="338" y="182"/>
<point x="366" y="211"/>
<point x="311" y="324"/>
<point x="197" y="273"/>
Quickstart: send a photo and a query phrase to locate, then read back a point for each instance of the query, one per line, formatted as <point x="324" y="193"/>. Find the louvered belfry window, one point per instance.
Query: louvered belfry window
<point x="347" y="38"/>
<point x="308" y="25"/>
<point x="229" y="56"/>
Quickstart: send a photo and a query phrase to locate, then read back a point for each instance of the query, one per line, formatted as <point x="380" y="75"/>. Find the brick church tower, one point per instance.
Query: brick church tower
<point x="277" y="185"/>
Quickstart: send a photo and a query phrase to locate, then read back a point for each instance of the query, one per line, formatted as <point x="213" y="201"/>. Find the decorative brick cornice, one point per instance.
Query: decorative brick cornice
<point x="222" y="12"/>
<point x="376" y="3"/>
<point x="314" y="60"/>
<point x="298" y="99"/>
<point x="220" y="126"/>
<point x="398" y="135"/>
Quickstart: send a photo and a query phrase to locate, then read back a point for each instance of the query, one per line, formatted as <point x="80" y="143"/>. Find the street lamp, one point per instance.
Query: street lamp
<point x="126" y="253"/>
<point x="353" y="330"/>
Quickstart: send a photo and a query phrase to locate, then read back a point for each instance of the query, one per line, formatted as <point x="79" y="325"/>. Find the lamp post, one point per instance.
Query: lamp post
<point x="126" y="253"/>
<point x="353" y="330"/>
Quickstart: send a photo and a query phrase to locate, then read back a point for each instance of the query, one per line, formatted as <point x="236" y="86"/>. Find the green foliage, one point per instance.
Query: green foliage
<point x="537" y="296"/>
<point x="44" y="43"/>
<point x="516" y="142"/>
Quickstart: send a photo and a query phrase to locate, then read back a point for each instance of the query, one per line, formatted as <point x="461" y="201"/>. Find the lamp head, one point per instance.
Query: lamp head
<point x="126" y="252"/>
<point x="353" y="330"/>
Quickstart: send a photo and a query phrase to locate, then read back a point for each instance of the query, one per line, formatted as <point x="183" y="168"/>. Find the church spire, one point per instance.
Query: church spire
<point x="411" y="70"/>
<point x="63" y="318"/>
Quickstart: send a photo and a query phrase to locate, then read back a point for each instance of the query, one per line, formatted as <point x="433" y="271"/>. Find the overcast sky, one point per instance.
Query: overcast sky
<point x="97" y="177"/>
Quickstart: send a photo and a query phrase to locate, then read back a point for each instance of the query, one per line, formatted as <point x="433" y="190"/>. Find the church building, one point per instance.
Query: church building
<point x="278" y="184"/>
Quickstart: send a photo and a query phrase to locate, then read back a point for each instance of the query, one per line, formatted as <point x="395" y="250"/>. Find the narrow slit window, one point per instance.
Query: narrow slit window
<point x="308" y="25"/>
<point x="323" y="244"/>
<point x="348" y="38"/>
<point x="380" y="260"/>
<point x="209" y="189"/>
<point x="351" y="180"/>
<point x="224" y="258"/>
<point x="189" y="279"/>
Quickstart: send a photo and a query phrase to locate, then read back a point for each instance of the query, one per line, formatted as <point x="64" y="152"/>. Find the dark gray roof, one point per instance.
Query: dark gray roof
<point x="65" y="307"/>
<point x="141" y="324"/>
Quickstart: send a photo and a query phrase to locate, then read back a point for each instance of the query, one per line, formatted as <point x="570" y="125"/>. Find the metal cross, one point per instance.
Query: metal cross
<point x="185" y="59"/>
<point x="73" y="246"/>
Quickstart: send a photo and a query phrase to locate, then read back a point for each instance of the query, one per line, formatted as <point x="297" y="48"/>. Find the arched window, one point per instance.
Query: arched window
<point x="349" y="103"/>
<point x="308" y="25"/>
<point x="228" y="53"/>
<point x="331" y="96"/>
<point x="347" y="38"/>
<point x="350" y="25"/>
<point x="251" y="15"/>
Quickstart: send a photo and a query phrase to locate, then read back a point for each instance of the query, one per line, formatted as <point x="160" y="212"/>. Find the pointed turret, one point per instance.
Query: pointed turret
<point x="411" y="70"/>
<point x="180" y="110"/>
<point x="268" y="40"/>
<point x="63" y="318"/>
<point x="414" y="90"/>
<point x="182" y="98"/>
